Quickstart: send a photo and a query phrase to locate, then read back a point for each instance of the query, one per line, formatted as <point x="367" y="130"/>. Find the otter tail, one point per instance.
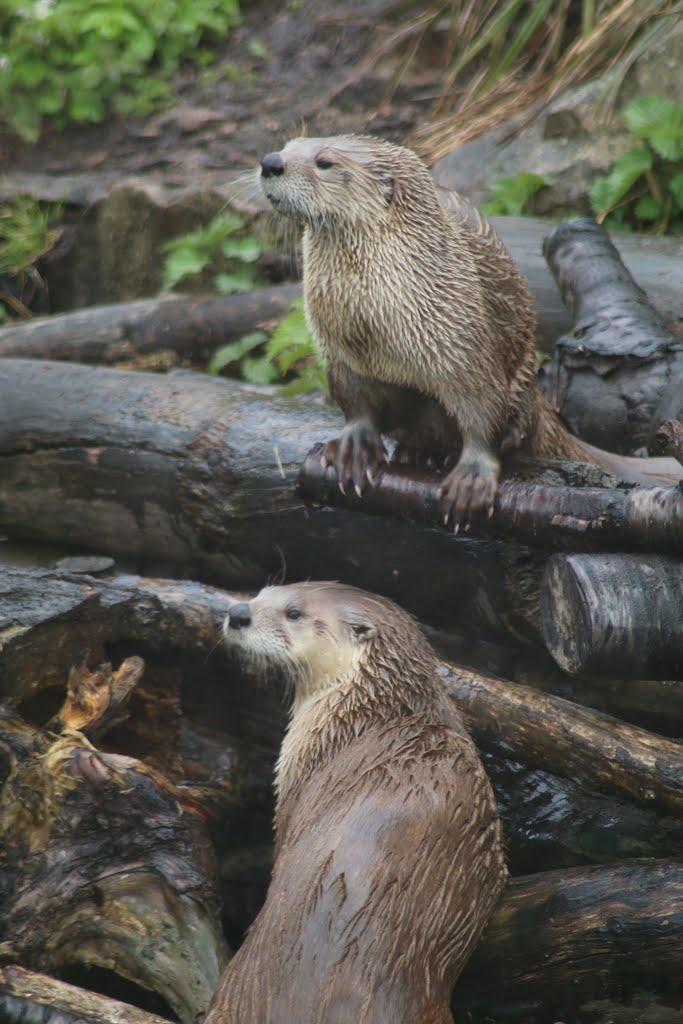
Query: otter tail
<point x="551" y="437"/>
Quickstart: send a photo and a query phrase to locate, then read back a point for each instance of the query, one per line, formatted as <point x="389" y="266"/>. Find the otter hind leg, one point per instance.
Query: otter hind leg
<point x="470" y="487"/>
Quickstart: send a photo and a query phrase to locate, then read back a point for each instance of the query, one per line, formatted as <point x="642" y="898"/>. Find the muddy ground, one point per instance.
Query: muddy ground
<point x="324" y="73"/>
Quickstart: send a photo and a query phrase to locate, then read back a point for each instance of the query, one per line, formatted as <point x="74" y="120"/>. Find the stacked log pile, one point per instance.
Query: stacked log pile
<point x="135" y="809"/>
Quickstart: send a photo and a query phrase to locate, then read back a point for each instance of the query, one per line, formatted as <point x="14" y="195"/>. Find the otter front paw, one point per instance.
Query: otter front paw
<point x="468" y="491"/>
<point x="356" y="456"/>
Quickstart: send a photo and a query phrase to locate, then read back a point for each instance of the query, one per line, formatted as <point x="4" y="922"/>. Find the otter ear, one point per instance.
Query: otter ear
<point x="362" y="632"/>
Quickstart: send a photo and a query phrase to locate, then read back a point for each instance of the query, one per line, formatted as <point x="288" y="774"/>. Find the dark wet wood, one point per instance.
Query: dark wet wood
<point x="612" y="376"/>
<point x="575" y="742"/>
<point x="614" y="615"/>
<point x="27" y="997"/>
<point x="560" y="939"/>
<point x="194" y="476"/>
<point x="551" y="515"/>
<point x="189" y="326"/>
<point x="105" y="861"/>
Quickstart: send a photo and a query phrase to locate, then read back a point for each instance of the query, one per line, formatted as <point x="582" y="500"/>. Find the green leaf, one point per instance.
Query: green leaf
<point x="644" y="113"/>
<point x="512" y="195"/>
<point x="647" y="208"/>
<point x="607" y="191"/>
<point x="32" y="71"/>
<point x="258" y="49"/>
<point x="676" y="188"/>
<point x="183" y="262"/>
<point x="234" y="352"/>
<point x="259" y="371"/>
<point x="246" y="249"/>
<point x="237" y="281"/>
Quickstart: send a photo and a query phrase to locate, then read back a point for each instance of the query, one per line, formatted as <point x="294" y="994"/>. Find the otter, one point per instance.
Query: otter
<point x="388" y="852"/>
<point x="426" y="325"/>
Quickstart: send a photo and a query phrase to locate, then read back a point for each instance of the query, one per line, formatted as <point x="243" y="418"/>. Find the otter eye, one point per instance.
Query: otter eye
<point x="323" y="164"/>
<point x="293" y="614"/>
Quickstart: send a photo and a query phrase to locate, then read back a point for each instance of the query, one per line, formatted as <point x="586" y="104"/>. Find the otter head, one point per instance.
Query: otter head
<point x="317" y="633"/>
<point x="332" y="182"/>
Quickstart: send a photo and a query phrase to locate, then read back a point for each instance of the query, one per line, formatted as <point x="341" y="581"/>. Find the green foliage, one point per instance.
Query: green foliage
<point x="71" y="60"/>
<point x="289" y="356"/>
<point x="513" y="196"/>
<point x="219" y="247"/>
<point x="26" y="233"/>
<point x="644" y="188"/>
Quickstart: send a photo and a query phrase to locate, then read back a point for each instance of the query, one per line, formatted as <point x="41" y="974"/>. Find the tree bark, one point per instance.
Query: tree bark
<point x="609" y="376"/>
<point x="614" y="615"/>
<point x="588" y="518"/>
<point x="572" y="741"/>
<point x="105" y="862"/>
<point x="189" y="475"/>
<point x="560" y="939"/>
<point x="189" y="326"/>
<point x="30" y="998"/>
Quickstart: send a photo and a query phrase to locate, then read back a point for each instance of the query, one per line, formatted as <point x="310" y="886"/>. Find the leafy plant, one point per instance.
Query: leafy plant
<point x="513" y="195"/>
<point x="71" y="60"/>
<point x="644" y="188"/>
<point x="27" y="233"/>
<point x="218" y="246"/>
<point x="290" y="355"/>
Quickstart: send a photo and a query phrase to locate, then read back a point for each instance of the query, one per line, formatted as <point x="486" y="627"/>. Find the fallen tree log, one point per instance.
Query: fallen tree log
<point x="559" y="939"/>
<point x="194" y="476"/>
<point x="27" y="997"/>
<point x="586" y="518"/>
<point x="609" y="376"/>
<point x="615" y="615"/>
<point x="230" y="734"/>
<point x="572" y="741"/>
<point x="189" y="326"/>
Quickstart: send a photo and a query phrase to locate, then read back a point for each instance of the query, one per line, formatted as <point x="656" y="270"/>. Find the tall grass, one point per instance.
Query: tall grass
<point x="506" y="57"/>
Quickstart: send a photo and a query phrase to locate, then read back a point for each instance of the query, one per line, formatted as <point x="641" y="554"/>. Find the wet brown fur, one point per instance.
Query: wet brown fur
<point x="388" y="854"/>
<point x="426" y="324"/>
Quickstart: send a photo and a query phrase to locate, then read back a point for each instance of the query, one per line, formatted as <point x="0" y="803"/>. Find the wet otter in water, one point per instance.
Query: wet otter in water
<point x="388" y="854"/>
<point x="427" y="327"/>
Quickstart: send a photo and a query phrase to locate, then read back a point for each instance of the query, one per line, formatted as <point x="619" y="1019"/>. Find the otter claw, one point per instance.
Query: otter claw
<point x="356" y="456"/>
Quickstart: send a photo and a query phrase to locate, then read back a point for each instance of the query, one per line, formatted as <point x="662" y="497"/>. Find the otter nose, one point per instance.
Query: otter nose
<point x="239" y="616"/>
<point x="272" y="165"/>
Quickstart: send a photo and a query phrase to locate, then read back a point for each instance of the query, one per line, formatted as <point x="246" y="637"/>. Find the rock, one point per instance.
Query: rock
<point x="572" y="140"/>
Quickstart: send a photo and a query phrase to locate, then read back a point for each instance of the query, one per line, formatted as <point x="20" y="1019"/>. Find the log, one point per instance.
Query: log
<point x="572" y="741"/>
<point x="27" y="997"/>
<point x="654" y="262"/>
<point x="587" y="518"/>
<point x="609" y="375"/>
<point x="189" y="326"/>
<point x="107" y="863"/>
<point x="560" y="939"/>
<point x="230" y="736"/>
<point x="614" y="615"/>
<point x="189" y="475"/>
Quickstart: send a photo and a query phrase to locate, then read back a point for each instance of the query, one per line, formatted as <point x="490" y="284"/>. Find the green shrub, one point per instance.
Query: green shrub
<point x="27" y="232"/>
<point x="644" y="188"/>
<point x="219" y="247"/>
<point x="513" y="196"/>
<point x="290" y="356"/>
<point x="71" y="60"/>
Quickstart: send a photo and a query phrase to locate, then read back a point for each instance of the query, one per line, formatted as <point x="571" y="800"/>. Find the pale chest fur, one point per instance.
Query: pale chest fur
<point x="385" y="311"/>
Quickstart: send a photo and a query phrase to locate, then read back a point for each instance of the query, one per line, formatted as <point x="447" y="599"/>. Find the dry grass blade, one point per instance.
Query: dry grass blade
<point x="512" y="56"/>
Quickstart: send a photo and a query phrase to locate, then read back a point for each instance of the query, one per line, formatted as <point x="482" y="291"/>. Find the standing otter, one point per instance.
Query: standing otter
<point x="388" y="853"/>
<point x="427" y="327"/>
